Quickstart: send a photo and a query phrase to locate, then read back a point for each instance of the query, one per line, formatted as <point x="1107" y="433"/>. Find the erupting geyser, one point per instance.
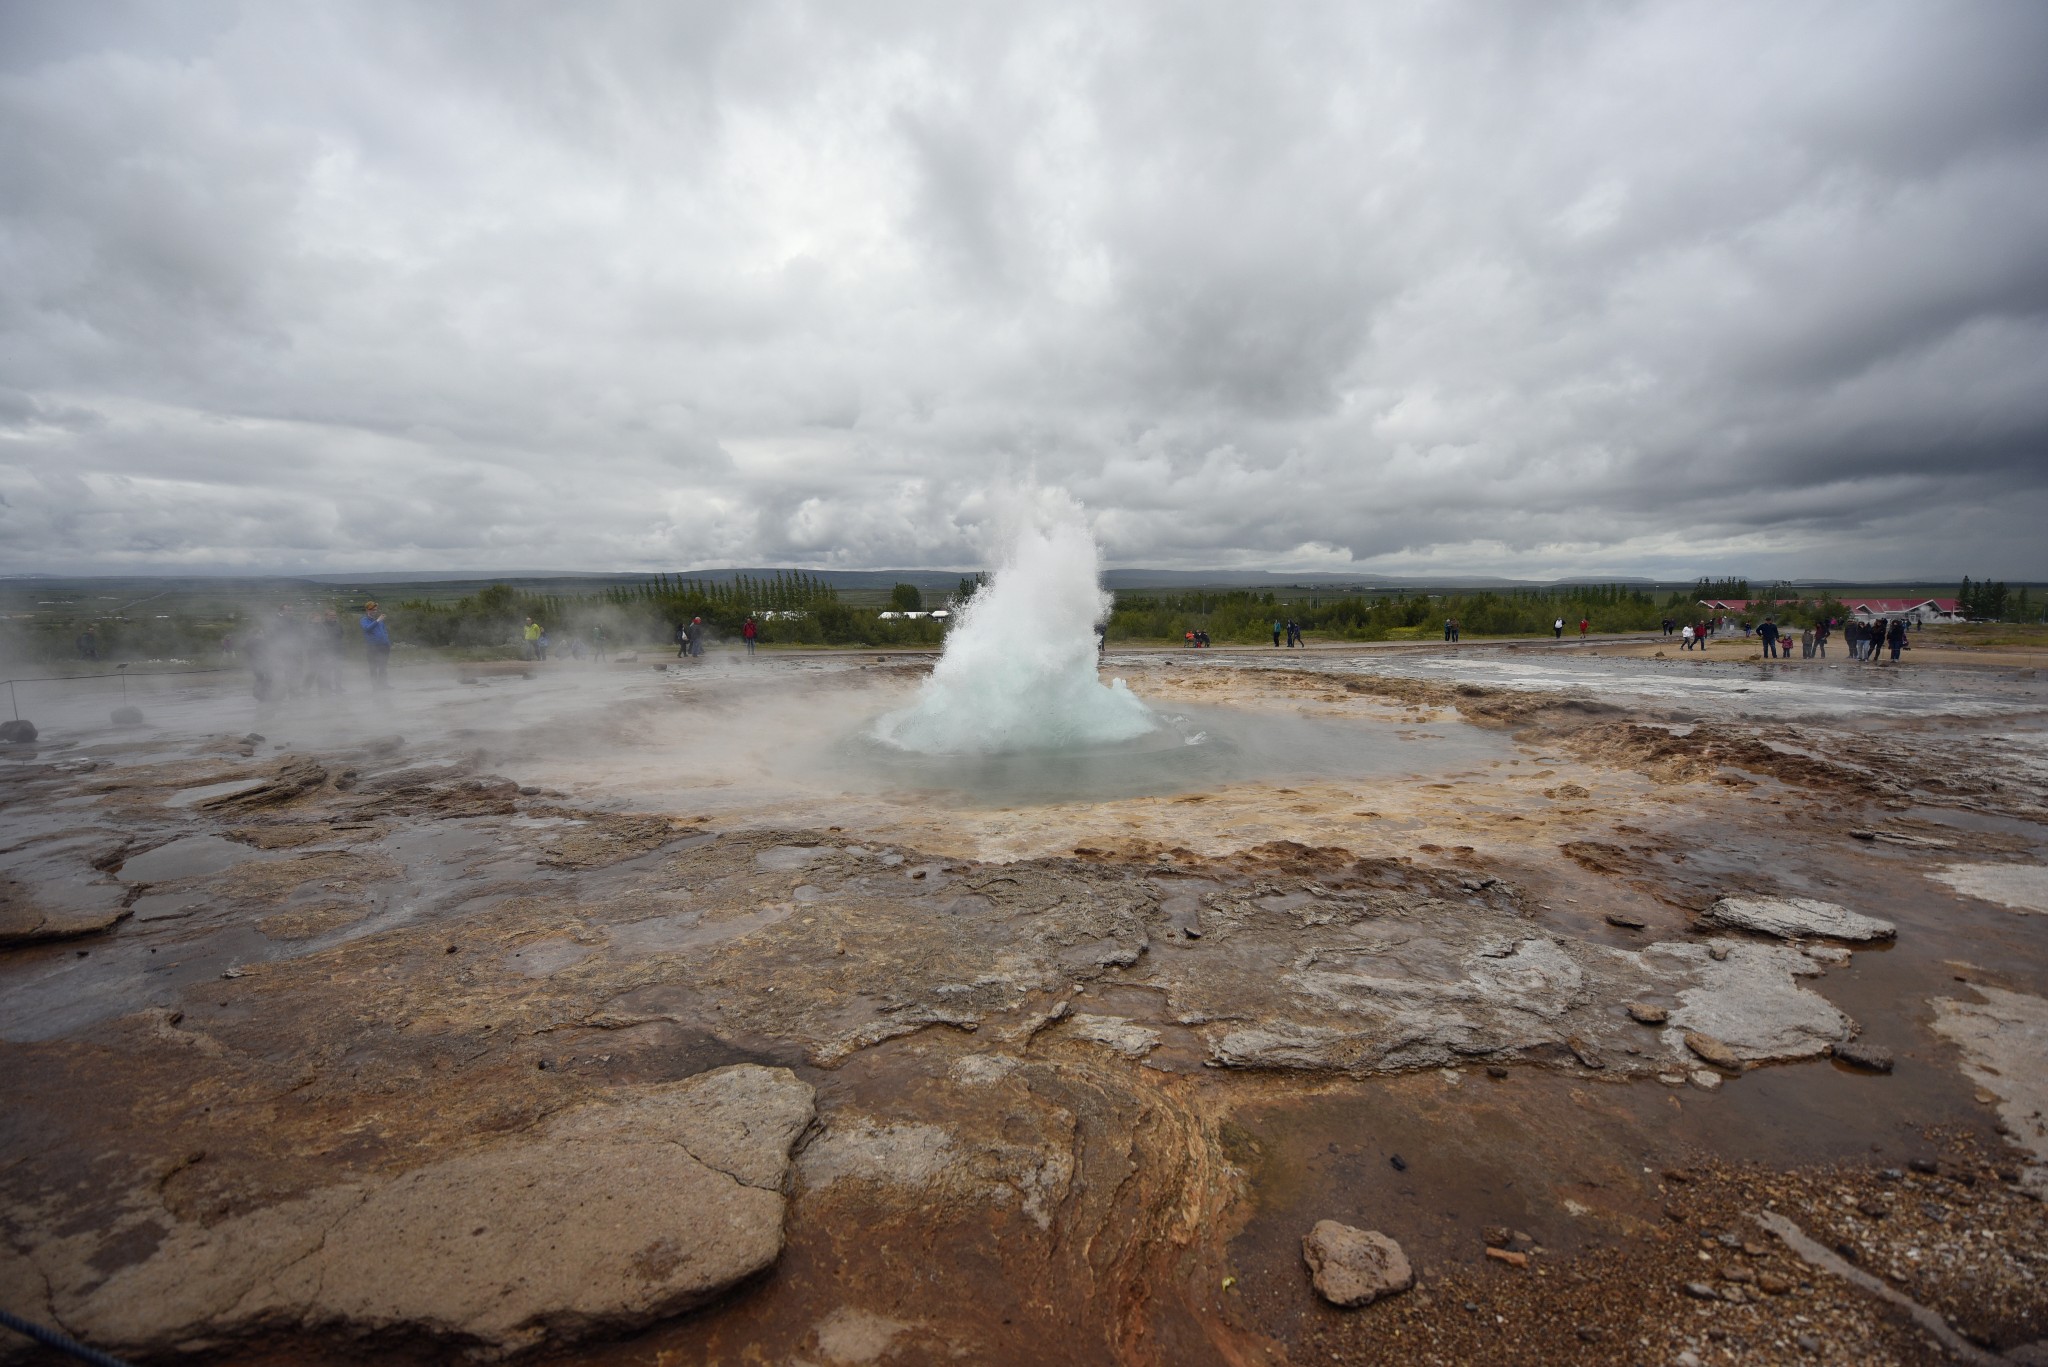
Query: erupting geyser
<point x="1018" y="672"/>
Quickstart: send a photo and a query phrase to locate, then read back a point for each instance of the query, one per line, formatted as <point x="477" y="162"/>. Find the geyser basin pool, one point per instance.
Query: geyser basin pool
<point x="1188" y="750"/>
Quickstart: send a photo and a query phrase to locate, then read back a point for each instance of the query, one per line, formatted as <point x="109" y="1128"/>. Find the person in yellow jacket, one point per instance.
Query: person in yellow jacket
<point x="533" y="634"/>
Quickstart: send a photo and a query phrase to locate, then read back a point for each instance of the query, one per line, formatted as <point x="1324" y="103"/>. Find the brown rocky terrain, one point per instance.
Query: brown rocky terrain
<point x="531" y="1045"/>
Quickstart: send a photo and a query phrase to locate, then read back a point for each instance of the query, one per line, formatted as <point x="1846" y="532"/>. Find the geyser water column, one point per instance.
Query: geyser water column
<point x="1018" y="674"/>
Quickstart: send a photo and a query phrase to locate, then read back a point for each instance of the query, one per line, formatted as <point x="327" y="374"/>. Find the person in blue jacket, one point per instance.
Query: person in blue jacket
<point x="377" y="644"/>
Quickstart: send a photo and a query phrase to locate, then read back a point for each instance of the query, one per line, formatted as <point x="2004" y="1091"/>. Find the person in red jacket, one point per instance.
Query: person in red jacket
<point x="749" y="633"/>
<point x="1584" y="626"/>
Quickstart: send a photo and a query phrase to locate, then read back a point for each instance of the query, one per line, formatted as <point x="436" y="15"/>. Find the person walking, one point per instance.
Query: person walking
<point x="1685" y="637"/>
<point x="376" y="644"/>
<point x="1557" y="629"/>
<point x="1767" y="632"/>
<point x="695" y="634"/>
<point x="1584" y="627"/>
<point x="1896" y="638"/>
<point x="598" y="650"/>
<point x="1277" y="629"/>
<point x="1820" y="639"/>
<point x="750" y="633"/>
<point x="682" y="639"/>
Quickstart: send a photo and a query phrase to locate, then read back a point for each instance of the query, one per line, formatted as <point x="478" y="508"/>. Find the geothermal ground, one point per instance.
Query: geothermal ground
<point x="628" y="1014"/>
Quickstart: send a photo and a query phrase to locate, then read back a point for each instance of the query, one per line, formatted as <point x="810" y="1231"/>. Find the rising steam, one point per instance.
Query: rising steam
<point x="1018" y="672"/>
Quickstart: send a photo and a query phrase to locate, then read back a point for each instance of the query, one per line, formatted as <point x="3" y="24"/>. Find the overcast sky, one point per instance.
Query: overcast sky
<point x="1531" y="289"/>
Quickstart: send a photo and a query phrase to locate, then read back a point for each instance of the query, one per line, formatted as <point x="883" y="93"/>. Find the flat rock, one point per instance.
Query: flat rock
<point x="2003" y="1040"/>
<point x="1791" y="918"/>
<point x="611" y="1215"/>
<point x="24" y="923"/>
<point x="1645" y="1014"/>
<point x="1353" y="1266"/>
<point x="2020" y="887"/>
<point x="1116" y="1033"/>
<point x="1868" y="1057"/>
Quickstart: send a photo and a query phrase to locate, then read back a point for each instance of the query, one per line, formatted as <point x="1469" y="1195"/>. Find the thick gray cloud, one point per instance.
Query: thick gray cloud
<point x="1485" y="288"/>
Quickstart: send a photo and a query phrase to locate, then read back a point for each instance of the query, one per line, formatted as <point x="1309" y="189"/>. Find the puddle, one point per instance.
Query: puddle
<point x="191" y="856"/>
<point x="689" y="930"/>
<point x="783" y="858"/>
<point x="545" y="957"/>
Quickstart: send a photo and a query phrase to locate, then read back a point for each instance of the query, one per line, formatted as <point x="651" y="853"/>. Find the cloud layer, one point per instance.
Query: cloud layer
<point x="1481" y="288"/>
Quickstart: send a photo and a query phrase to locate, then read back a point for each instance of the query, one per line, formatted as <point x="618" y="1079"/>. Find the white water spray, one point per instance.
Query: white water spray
<point x="1019" y="670"/>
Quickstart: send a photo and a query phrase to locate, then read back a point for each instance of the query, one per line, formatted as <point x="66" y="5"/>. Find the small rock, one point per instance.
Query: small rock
<point x="1494" y="1070"/>
<point x="1354" y="1266"/>
<point x="1590" y="1333"/>
<point x="1711" y="1049"/>
<point x="1678" y="1175"/>
<point x="1717" y="952"/>
<point x="17" y="732"/>
<point x="1701" y="1291"/>
<point x="1738" y="1274"/>
<point x="529" y="790"/>
<point x="1400" y="1163"/>
<point x="1868" y="1057"/>
<point x="1496" y="1236"/>
<point x="1834" y="956"/>
<point x="1706" y="1079"/>
<point x="1625" y="920"/>
<point x="1645" y="1014"/>
<point x="1925" y="1166"/>
<point x="1772" y="1283"/>
<point x="1891" y="1175"/>
<point x="1671" y="1079"/>
<point x="1512" y="1259"/>
<point x="1807" y="1343"/>
<point x="1585" y="1053"/>
<point x="1688" y="1358"/>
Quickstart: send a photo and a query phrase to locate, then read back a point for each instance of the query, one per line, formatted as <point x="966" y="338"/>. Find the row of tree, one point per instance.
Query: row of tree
<point x="1985" y="601"/>
<point x="1245" y="615"/>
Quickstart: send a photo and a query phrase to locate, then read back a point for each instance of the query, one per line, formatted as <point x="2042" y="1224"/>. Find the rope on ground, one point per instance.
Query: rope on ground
<point x="50" y="1338"/>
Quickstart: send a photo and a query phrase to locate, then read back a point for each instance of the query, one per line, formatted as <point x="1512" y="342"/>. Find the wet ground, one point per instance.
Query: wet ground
<point x="1097" y="1039"/>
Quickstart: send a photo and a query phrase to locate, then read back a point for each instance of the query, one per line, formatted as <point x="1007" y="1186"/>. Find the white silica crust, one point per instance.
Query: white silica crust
<point x="1019" y="671"/>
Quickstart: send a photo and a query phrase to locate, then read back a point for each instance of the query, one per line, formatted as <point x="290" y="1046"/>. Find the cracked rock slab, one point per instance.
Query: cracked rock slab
<point x="1794" y="918"/>
<point x="612" y="1215"/>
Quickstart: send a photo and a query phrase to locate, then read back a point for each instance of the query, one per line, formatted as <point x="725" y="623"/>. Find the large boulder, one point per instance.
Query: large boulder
<point x="610" y="1216"/>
